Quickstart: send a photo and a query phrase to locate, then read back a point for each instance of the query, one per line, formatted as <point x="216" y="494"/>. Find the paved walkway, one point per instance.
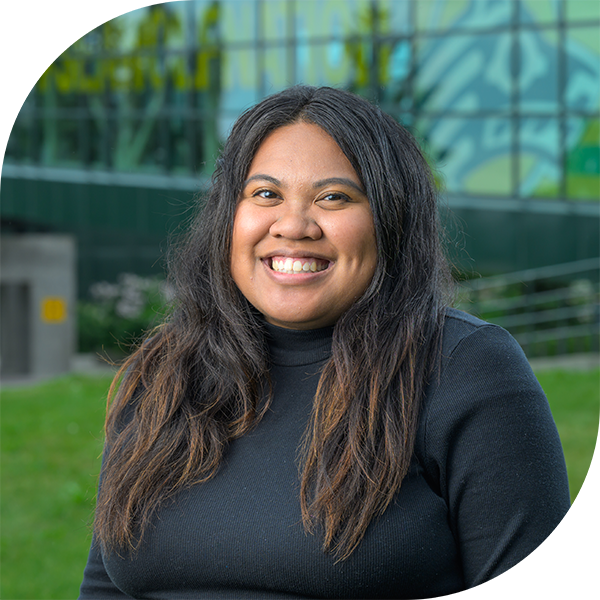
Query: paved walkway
<point x="568" y="362"/>
<point x="89" y="364"/>
<point x="93" y="365"/>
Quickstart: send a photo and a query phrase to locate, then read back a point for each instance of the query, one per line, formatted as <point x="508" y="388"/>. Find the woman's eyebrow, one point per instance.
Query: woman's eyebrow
<point x="317" y="184"/>
<point x="262" y="177"/>
<point x="340" y="181"/>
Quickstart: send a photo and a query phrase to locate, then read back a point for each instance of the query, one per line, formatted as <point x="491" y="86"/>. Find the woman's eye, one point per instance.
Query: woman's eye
<point x="266" y="194"/>
<point x="334" y="198"/>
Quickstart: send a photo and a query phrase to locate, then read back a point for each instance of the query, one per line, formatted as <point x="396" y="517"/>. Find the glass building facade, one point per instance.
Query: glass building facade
<point x="503" y="94"/>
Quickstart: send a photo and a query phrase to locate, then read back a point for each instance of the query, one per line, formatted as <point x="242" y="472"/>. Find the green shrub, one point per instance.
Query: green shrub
<point x="119" y="314"/>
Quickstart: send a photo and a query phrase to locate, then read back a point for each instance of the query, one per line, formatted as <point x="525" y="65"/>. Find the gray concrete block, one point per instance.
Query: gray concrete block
<point x="38" y="304"/>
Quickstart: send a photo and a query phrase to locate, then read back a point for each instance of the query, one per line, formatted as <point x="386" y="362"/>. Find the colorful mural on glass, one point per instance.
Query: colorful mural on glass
<point x="504" y="94"/>
<point x="509" y="94"/>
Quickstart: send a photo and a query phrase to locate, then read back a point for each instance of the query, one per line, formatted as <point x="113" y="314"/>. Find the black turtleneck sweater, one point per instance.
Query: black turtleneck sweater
<point x="487" y="485"/>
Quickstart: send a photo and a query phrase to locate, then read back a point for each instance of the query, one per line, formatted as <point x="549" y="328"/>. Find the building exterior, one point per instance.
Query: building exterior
<point x="119" y="136"/>
<point x="37" y="298"/>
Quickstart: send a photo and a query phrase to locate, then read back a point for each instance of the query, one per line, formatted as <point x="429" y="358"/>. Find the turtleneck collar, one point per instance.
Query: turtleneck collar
<point x="292" y="347"/>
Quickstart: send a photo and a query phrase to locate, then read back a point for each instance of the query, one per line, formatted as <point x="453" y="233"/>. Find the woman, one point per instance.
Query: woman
<point x="312" y="421"/>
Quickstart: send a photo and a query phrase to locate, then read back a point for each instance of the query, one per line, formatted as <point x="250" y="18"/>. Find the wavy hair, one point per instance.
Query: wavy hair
<point x="201" y="379"/>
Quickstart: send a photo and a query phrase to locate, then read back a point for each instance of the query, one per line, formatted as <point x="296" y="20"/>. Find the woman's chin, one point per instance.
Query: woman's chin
<point x="298" y="320"/>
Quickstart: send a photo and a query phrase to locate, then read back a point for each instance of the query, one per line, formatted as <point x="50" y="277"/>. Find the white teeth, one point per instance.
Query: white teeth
<point x="291" y="266"/>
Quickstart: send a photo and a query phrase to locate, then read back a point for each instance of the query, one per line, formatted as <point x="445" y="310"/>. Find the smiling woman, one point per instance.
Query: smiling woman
<point x="303" y="245"/>
<point x="312" y="420"/>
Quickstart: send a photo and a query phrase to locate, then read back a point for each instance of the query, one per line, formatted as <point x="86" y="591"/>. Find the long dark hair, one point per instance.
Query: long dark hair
<point x="201" y="379"/>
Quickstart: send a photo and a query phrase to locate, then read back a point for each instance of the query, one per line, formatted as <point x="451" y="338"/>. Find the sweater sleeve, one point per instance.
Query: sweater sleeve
<point x="96" y="584"/>
<point x="493" y="446"/>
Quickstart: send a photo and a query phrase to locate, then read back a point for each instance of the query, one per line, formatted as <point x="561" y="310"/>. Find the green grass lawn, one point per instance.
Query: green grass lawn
<point x="574" y="398"/>
<point x="51" y="444"/>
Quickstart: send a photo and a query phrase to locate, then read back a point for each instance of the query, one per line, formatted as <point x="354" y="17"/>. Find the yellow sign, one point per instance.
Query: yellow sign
<point x="54" y="309"/>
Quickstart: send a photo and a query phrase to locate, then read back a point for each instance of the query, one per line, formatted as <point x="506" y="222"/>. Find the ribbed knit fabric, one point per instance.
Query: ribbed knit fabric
<point x="487" y="485"/>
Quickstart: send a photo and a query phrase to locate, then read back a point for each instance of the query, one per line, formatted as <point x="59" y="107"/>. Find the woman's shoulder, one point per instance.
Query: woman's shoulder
<point x="488" y="446"/>
<point x="459" y="325"/>
<point x="482" y="371"/>
<point x="460" y="319"/>
<point x="468" y="338"/>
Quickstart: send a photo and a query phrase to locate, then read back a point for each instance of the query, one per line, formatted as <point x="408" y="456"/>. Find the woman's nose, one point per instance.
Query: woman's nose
<point x="295" y="224"/>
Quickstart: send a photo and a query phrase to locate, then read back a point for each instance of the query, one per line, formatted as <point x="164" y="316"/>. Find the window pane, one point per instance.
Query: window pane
<point x="276" y="66"/>
<point x="274" y="20"/>
<point x="66" y="145"/>
<point x="332" y="18"/>
<point x="538" y="11"/>
<point x="395" y="67"/>
<point x="538" y="73"/>
<point x="395" y="17"/>
<point x="583" y="159"/>
<point x="204" y="23"/>
<point x="138" y="145"/>
<point x="472" y="155"/>
<point x="239" y="79"/>
<point x="181" y="152"/>
<point x="99" y="142"/>
<point x="540" y="158"/>
<point x="208" y="139"/>
<point x="468" y="72"/>
<point x="59" y="129"/>
<point x="582" y="10"/>
<point x="159" y="25"/>
<point x="238" y="20"/>
<point x="442" y="15"/>
<point x="334" y="64"/>
<point x="583" y="68"/>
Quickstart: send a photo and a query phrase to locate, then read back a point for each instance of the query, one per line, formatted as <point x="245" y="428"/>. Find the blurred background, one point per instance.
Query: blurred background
<point x="116" y="142"/>
<point x="120" y="134"/>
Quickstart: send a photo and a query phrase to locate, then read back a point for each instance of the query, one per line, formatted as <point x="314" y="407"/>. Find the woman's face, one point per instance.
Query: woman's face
<point x="303" y="246"/>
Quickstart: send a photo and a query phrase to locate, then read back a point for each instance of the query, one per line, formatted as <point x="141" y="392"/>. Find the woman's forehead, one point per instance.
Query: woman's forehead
<point x="301" y="150"/>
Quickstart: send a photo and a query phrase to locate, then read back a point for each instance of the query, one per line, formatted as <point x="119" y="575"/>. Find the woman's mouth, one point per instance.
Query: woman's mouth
<point x="295" y="266"/>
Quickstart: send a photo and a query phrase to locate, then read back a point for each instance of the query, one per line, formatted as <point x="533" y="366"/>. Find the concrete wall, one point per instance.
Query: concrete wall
<point x="38" y="304"/>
